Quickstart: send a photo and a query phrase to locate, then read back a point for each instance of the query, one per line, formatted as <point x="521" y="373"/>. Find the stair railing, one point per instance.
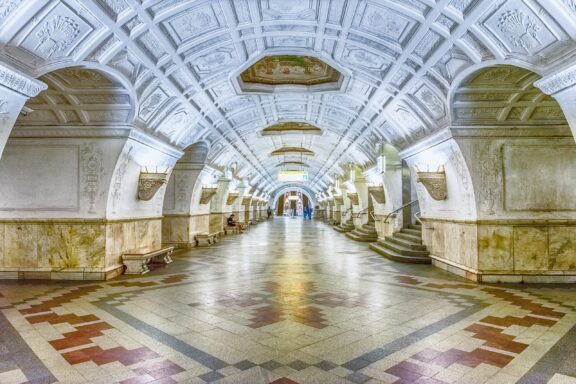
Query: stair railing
<point x="361" y="213"/>
<point x="417" y="216"/>
<point x="399" y="209"/>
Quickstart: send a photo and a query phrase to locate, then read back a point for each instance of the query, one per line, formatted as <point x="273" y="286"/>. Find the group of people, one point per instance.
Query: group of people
<point x="307" y="212"/>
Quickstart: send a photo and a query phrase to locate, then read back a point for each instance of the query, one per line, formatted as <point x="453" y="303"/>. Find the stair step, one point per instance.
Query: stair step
<point x="410" y="231"/>
<point x="343" y="229"/>
<point x="389" y="254"/>
<point x="415" y="226"/>
<point x="405" y="243"/>
<point x="409" y="237"/>
<point x="403" y="250"/>
<point x="367" y="231"/>
<point x="360" y="237"/>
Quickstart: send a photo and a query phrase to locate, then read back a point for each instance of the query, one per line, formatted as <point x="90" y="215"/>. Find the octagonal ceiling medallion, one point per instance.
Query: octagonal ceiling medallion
<point x="290" y="69"/>
<point x="291" y="127"/>
<point x="290" y="72"/>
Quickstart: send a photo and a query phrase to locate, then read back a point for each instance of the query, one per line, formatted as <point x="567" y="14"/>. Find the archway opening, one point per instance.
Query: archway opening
<point x="293" y="203"/>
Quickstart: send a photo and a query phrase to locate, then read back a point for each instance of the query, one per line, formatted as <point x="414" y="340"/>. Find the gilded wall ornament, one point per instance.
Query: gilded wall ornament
<point x="353" y="196"/>
<point x="378" y="194"/>
<point x="246" y="199"/>
<point x="339" y="199"/>
<point x="232" y="196"/>
<point x="207" y="194"/>
<point x="434" y="182"/>
<point x="149" y="184"/>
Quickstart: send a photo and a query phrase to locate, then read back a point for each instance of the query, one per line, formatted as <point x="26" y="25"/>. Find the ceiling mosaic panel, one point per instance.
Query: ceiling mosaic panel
<point x="290" y="69"/>
<point x="291" y="127"/>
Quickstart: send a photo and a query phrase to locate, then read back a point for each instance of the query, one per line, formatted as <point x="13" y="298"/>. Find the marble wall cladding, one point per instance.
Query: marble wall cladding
<point x="562" y="248"/>
<point x="21" y="245"/>
<point x="143" y="235"/>
<point x="52" y="246"/>
<point x="180" y="231"/>
<point x="452" y="241"/>
<point x="64" y="246"/>
<point x="495" y="248"/>
<point x="508" y="249"/>
<point x="216" y="222"/>
<point x="530" y="250"/>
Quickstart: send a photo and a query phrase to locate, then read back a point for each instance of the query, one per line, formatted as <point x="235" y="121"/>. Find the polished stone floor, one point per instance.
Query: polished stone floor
<point x="289" y="301"/>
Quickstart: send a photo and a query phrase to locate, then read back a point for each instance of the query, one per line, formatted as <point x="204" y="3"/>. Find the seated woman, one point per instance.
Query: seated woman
<point x="233" y="222"/>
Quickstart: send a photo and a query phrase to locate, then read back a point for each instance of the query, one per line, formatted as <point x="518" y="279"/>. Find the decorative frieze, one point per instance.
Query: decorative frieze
<point x="92" y="169"/>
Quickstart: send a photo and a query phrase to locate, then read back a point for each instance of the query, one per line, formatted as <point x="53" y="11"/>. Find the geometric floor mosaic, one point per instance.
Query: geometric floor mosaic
<point x="288" y="301"/>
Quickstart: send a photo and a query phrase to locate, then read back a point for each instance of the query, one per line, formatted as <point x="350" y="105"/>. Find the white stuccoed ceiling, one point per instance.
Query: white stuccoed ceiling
<point x="180" y="58"/>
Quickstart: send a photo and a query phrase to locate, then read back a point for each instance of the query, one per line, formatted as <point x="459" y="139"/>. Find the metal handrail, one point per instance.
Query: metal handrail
<point x="360" y="213"/>
<point x="417" y="216"/>
<point x="371" y="213"/>
<point x="399" y="209"/>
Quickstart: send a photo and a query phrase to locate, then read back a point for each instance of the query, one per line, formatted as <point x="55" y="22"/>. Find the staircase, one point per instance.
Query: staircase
<point x="404" y="246"/>
<point x="343" y="228"/>
<point x="367" y="233"/>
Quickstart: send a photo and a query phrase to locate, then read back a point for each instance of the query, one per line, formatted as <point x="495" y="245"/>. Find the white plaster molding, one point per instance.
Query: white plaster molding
<point x="19" y="82"/>
<point x="430" y="141"/>
<point x="154" y="142"/>
<point x="557" y="82"/>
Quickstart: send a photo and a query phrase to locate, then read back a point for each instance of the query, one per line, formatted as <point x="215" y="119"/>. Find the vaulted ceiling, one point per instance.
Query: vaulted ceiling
<point x="179" y="63"/>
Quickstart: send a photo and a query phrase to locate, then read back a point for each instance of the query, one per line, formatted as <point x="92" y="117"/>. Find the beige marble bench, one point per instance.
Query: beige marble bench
<point x="137" y="263"/>
<point x="206" y="239"/>
<point x="231" y="230"/>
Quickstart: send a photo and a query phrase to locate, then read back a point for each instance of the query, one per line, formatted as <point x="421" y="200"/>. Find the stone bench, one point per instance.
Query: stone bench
<point x="205" y="239"/>
<point x="231" y="230"/>
<point x="137" y="263"/>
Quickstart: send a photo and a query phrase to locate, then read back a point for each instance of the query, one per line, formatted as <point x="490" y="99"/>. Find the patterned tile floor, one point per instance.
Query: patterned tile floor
<point x="286" y="302"/>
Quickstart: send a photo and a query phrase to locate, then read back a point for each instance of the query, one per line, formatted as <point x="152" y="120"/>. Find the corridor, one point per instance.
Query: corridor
<point x="289" y="301"/>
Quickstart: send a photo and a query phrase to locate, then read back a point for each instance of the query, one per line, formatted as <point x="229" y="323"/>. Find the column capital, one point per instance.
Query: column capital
<point x="19" y="82"/>
<point x="557" y="82"/>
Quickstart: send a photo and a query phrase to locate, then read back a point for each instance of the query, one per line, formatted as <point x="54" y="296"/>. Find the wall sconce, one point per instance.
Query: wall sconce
<point x="377" y="192"/>
<point x="353" y="196"/>
<point x="207" y="193"/>
<point x="232" y="196"/>
<point x="150" y="182"/>
<point x="434" y="182"/>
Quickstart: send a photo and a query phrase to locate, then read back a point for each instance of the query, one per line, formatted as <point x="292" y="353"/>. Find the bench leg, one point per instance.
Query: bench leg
<point x="168" y="257"/>
<point x="136" y="267"/>
<point x="204" y="242"/>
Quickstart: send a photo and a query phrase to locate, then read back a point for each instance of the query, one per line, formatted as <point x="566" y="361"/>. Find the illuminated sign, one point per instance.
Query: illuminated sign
<point x="293" y="176"/>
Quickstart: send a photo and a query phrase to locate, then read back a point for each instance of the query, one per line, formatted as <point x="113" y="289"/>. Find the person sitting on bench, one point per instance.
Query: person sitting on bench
<point x="233" y="222"/>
